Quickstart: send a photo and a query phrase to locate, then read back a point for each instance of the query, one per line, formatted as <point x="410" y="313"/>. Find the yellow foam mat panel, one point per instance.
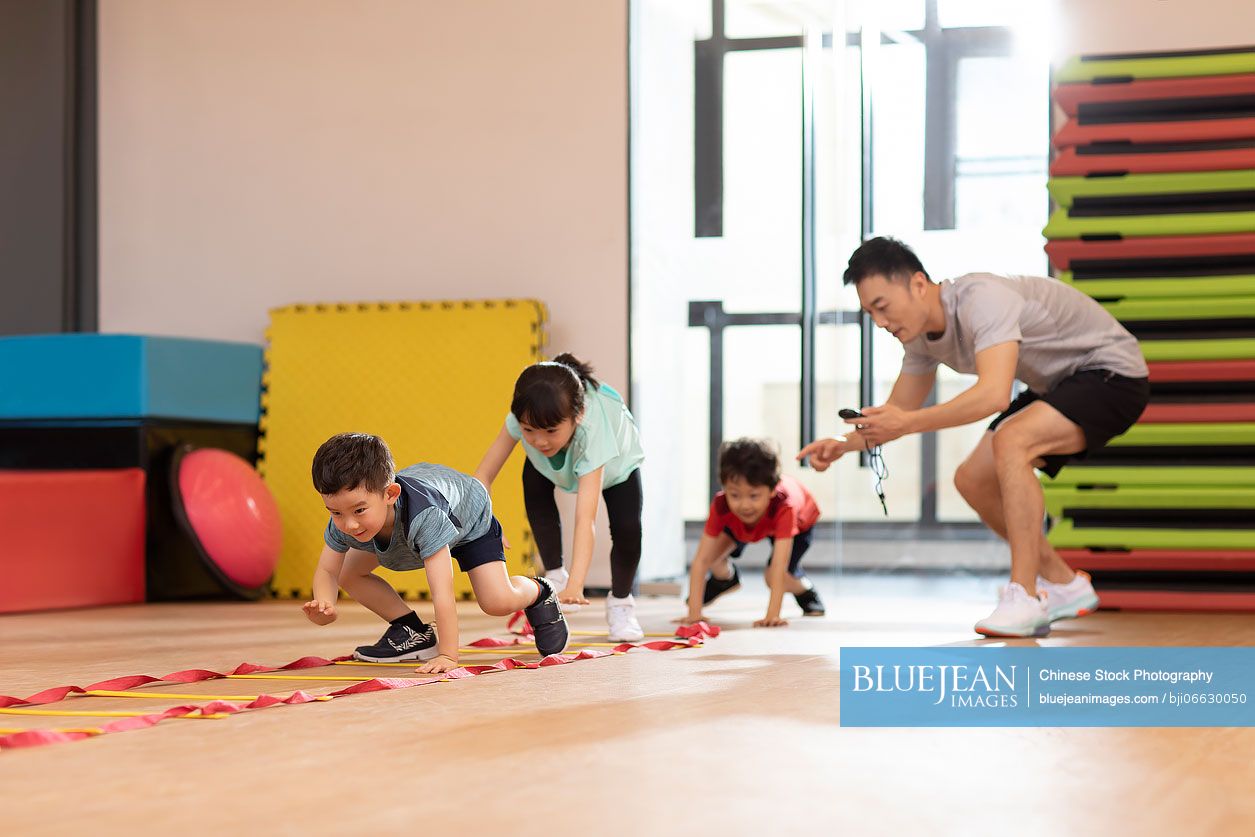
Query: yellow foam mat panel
<point x="434" y="379"/>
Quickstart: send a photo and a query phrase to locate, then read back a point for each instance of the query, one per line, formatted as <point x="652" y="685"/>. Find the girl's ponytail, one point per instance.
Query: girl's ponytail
<point x="582" y="369"/>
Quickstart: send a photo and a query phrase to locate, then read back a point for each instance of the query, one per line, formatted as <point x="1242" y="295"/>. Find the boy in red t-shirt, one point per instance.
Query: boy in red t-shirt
<point x="756" y="503"/>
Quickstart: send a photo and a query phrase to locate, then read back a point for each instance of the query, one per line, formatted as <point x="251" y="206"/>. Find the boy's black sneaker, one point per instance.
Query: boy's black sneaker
<point x="547" y="620"/>
<point x="810" y="603"/>
<point x="400" y="643"/>
<point x="716" y="587"/>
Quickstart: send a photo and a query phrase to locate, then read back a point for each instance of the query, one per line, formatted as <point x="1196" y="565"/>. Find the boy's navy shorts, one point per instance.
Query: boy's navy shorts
<point x="483" y="550"/>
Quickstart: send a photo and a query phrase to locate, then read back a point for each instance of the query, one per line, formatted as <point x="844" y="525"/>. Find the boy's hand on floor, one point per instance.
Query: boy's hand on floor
<point x="689" y="620"/>
<point x="438" y="665"/>
<point x="320" y="612"/>
<point x="771" y="623"/>
<point x="572" y="595"/>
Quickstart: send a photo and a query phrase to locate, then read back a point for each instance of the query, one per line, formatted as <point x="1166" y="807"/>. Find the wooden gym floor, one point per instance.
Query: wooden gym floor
<point x="738" y="737"/>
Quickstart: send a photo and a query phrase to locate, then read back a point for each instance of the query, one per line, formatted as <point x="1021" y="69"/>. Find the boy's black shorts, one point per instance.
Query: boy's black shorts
<point x="1102" y="403"/>
<point x="801" y="543"/>
<point x="483" y="550"/>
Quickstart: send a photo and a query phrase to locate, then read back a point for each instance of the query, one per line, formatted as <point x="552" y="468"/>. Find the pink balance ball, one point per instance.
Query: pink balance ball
<point x="230" y="515"/>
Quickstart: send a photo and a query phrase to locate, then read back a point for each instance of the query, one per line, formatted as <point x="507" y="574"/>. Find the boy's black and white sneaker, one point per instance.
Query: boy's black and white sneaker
<point x="547" y="620"/>
<point x="399" y="644"/>
<point x="810" y="603"/>
<point x="716" y="587"/>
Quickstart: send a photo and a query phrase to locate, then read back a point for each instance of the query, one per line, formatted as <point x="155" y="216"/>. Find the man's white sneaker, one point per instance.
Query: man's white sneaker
<point x="621" y="617"/>
<point x="560" y="577"/>
<point x="1017" y="614"/>
<point x="1068" y="601"/>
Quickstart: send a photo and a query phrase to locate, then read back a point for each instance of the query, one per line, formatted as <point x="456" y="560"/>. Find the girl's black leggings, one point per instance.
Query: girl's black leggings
<point x="623" y="505"/>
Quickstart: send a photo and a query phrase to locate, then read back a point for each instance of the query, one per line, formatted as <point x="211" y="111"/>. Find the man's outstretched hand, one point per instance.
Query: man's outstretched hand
<point x="823" y="452"/>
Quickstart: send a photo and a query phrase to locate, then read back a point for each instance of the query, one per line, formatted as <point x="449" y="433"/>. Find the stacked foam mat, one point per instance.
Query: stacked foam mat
<point x="90" y="425"/>
<point x="1154" y="179"/>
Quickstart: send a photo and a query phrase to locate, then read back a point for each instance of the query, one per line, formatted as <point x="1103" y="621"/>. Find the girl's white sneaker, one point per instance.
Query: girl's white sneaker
<point x="621" y="617"/>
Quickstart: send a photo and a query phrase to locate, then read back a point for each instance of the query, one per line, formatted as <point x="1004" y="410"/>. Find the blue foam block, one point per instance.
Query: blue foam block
<point x="109" y="376"/>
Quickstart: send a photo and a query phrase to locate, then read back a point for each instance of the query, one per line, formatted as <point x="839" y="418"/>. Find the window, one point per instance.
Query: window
<point x="751" y="186"/>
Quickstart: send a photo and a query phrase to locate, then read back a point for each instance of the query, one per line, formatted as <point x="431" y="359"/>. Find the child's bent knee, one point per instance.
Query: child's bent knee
<point x="496" y="607"/>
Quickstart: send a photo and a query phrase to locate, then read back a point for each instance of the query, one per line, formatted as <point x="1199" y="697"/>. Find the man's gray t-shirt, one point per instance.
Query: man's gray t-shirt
<point x="1060" y="330"/>
<point x="438" y="507"/>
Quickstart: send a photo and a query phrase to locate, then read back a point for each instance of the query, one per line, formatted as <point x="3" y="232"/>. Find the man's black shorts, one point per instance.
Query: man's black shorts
<point x="1103" y="404"/>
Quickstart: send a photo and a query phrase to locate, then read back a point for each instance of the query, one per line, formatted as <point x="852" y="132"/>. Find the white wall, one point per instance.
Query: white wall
<point x="255" y="153"/>
<point x="1153" y="25"/>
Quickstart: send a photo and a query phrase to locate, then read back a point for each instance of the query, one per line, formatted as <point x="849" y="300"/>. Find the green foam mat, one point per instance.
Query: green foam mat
<point x="1192" y="223"/>
<point x="1064" y="190"/>
<point x="1210" y="308"/>
<point x="1060" y="497"/>
<point x="1159" y="66"/>
<point x="1237" y="349"/>
<point x="1167" y="476"/>
<point x="1066" y="536"/>
<point x="1143" y="287"/>
<point x="1230" y="433"/>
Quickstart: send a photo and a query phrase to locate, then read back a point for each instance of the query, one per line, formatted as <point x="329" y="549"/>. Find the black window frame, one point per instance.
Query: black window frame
<point x="944" y="49"/>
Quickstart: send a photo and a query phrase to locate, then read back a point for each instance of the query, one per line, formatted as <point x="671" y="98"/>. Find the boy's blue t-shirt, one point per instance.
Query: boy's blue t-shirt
<point x="438" y="507"/>
<point x="606" y="437"/>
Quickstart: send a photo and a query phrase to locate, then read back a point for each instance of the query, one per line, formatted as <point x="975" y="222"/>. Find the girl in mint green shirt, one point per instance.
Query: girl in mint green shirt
<point x="580" y="437"/>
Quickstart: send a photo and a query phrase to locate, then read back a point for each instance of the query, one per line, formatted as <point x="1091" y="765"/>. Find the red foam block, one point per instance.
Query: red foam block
<point x="1176" y="600"/>
<point x="1064" y="251"/>
<point x="1071" y="96"/>
<point x="1183" y="560"/>
<point x="1197" y="413"/>
<point x="1071" y="163"/>
<point x="76" y="540"/>
<point x="1201" y="370"/>
<point x="1199" y="130"/>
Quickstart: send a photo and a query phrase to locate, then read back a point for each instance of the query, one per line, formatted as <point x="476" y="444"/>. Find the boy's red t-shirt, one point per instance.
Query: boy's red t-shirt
<point x="792" y="510"/>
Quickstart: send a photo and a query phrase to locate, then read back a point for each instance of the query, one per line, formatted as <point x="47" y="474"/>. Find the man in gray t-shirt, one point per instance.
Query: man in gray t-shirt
<point x="1060" y="331"/>
<point x="1087" y="383"/>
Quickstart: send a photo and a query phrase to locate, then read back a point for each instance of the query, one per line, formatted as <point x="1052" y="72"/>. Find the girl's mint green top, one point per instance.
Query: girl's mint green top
<point x="605" y="437"/>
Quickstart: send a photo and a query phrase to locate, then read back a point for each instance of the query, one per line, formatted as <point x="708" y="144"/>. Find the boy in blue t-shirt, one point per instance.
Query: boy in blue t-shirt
<point x="420" y="518"/>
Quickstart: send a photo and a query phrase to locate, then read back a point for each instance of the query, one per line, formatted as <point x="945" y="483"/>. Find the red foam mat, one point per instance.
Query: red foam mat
<point x="1172" y="600"/>
<point x="1201" y="130"/>
<point x="1064" y="251"/>
<point x="1197" y="413"/>
<point x="82" y="539"/>
<point x="1069" y="97"/>
<point x="1070" y="163"/>
<point x="1195" y="560"/>
<point x="1166" y="371"/>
